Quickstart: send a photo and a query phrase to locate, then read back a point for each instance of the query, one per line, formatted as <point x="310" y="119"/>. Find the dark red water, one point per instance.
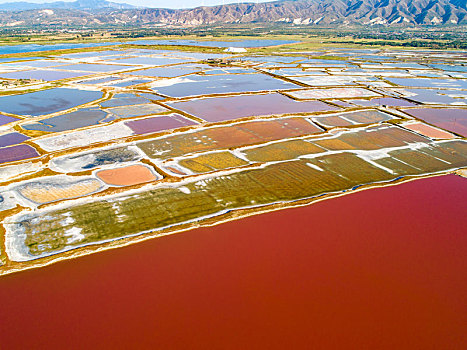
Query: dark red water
<point x="379" y="269"/>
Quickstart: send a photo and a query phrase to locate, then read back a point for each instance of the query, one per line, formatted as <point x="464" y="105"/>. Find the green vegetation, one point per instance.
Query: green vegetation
<point x="453" y="37"/>
<point x="285" y="181"/>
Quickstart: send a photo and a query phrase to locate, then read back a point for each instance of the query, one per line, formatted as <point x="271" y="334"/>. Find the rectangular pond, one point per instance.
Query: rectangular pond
<point x="195" y="85"/>
<point x="17" y="152"/>
<point x="234" y="107"/>
<point x="12" y="138"/>
<point x="453" y="119"/>
<point x="46" y="101"/>
<point x="157" y="124"/>
<point x="43" y="74"/>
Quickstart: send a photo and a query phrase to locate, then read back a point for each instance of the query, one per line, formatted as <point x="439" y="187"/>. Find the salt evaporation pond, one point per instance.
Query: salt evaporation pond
<point x="69" y="121"/>
<point x="153" y="61"/>
<point x="447" y="118"/>
<point x="430" y="83"/>
<point x="331" y="274"/>
<point x="17" y="152"/>
<point x="157" y="124"/>
<point x="4" y="119"/>
<point x="452" y="97"/>
<point x="166" y="72"/>
<point x="12" y="49"/>
<point x="385" y="101"/>
<point x="129" y="83"/>
<point x="46" y="101"/>
<point x="124" y="99"/>
<point x="38" y="64"/>
<point x="229" y="108"/>
<point x="99" y="80"/>
<point x="12" y="138"/>
<point x="43" y="74"/>
<point x="95" y="67"/>
<point x="241" y="43"/>
<point x="195" y="85"/>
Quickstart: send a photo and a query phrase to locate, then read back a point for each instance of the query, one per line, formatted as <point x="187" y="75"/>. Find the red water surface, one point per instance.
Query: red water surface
<point x="378" y="269"/>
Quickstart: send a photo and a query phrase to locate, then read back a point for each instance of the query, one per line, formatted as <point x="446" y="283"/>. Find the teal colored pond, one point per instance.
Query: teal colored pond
<point x="195" y="85"/>
<point x="46" y="101"/>
<point x="69" y="121"/>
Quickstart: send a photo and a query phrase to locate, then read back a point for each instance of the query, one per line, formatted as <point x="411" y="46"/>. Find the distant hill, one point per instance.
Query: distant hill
<point x="76" y="5"/>
<point x="303" y="12"/>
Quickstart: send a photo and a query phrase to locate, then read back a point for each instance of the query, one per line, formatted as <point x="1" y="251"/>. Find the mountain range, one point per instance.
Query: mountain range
<point x="298" y="12"/>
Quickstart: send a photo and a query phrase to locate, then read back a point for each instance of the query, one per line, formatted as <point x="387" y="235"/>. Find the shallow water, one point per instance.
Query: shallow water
<point x="228" y="108"/>
<point x="4" y="119"/>
<point x="95" y="68"/>
<point x="11" y="49"/>
<point x="437" y="96"/>
<point x="42" y="74"/>
<point x="166" y="72"/>
<point x="129" y="82"/>
<point x="46" y="101"/>
<point x="99" y="80"/>
<point x="156" y="124"/>
<point x="12" y="139"/>
<point x="431" y="83"/>
<point x="447" y="118"/>
<point x="241" y="43"/>
<point x="195" y="85"/>
<point x="385" y="101"/>
<point x="153" y="61"/>
<point x="127" y="175"/>
<point x="17" y="152"/>
<point x="41" y="63"/>
<point x="69" y="121"/>
<point x="123" y="99"/>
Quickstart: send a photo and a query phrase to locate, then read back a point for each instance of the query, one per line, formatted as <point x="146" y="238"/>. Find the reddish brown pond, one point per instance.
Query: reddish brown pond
<point x="126" y="176"/>
<point x="379" y="269"/>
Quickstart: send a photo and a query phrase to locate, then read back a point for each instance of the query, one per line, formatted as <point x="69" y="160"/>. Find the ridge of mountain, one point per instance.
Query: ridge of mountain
<point x="298" y="12"/>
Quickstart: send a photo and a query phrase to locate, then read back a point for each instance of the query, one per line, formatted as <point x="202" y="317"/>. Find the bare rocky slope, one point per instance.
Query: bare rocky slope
<point x="305" y="12"/>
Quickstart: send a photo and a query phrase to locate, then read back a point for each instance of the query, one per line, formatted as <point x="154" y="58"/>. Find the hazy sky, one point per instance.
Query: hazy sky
<point x="159" y="3"/>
